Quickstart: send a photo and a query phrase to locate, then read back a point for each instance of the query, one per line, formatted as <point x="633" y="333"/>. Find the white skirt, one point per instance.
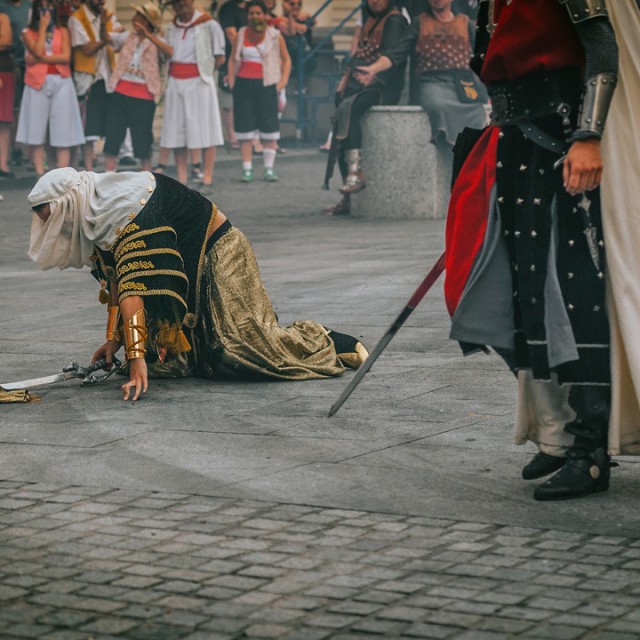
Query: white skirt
<point x="191" y="115"/>
<point x="53" y="107"/>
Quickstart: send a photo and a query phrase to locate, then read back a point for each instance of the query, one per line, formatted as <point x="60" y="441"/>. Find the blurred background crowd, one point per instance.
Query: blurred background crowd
<point x="80" y="87"/>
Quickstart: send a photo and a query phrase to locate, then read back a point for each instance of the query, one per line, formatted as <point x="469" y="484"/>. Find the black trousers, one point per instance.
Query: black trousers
<point x="135" y="114"/>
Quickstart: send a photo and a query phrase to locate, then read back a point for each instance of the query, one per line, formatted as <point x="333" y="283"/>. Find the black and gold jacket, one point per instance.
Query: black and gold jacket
<point x="159" y="256"/>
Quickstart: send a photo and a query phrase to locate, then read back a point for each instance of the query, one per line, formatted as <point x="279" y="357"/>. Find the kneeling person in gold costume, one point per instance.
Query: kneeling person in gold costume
<point x="182" y="285"/>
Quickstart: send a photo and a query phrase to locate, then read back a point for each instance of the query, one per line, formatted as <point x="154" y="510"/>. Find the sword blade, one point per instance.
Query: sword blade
<point x="38" y="382"/>
<point x="415" y="299"/>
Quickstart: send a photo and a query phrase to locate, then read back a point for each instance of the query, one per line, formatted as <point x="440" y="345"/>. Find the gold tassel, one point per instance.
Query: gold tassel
<point x="17" y="396"/>
<point x="172" y="338"/>
<point x="104" y="296"/>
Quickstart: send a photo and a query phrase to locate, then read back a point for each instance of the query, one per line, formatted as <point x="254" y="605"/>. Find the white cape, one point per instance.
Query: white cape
<point x="621" y="220"/>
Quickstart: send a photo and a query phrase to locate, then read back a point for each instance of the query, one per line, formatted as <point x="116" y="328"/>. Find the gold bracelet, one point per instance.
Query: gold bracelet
<point x="113" y="318"/>
<point x="135" y="335"/>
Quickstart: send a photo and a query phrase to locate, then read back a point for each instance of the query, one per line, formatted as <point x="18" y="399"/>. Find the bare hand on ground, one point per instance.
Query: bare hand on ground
<point x="137" y="379"/>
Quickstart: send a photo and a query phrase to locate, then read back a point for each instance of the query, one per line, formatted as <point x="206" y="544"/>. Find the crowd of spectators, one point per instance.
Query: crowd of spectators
<point x="71" y="74"/>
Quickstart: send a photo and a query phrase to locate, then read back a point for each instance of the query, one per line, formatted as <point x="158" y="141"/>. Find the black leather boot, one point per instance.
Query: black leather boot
<point x="588" y="466"/>
<point x="581" y="475"/>
<point x="541" y="465"/>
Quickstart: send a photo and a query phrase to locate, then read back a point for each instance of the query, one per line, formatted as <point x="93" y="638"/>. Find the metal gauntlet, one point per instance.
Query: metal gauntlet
<point x="581" y="10"/>
<point x="598" y="94"/>
<point x="113" y="319"/>
<point x="135" y="335"/>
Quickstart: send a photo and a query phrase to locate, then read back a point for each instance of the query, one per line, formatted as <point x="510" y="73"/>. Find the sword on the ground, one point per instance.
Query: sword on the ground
<point x="414" y="301"/>
<point x="74" y="370"/>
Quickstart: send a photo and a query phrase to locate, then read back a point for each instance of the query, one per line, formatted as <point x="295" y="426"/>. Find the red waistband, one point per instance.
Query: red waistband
<point x="183" y="70"/>
<point x="134" y="90"/>
<point x="250" y="70"/>
<point x="52" y="70"/>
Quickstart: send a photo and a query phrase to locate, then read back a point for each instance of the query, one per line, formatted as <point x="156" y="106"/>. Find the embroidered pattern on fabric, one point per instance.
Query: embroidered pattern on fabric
<point x="156" y="272"/>
<point x="136" y="244"/>
<point x="128" y="286"/>
<point x="137" y="265"/>
<point x="156" y="292"/>
<point x="128" y="229"/>
<point x="134" y="236"/>
<point x="148" y="252"/>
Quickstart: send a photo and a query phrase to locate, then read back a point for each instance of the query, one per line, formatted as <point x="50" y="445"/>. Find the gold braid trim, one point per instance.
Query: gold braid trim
<point x="146" y="253"/>
<point x="138" y="264"/>
<point x="214" y="215"/>
<point x="136" y="244"/>
<point x="128" y="229"/>
<point x="156" y="272"/>
<point x="127" y="286"/>
<point x="134" y="236"/>
<point x="156" y="292"/>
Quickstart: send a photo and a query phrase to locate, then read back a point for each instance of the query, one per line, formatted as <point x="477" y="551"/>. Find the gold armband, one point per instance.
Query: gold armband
<point x="135" y="335"/>
<point x="113" y="319"/>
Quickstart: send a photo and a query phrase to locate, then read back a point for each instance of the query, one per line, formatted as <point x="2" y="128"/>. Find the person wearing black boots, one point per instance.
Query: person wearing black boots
<point x="375" y="75"/>
<point x="526" y="267"/>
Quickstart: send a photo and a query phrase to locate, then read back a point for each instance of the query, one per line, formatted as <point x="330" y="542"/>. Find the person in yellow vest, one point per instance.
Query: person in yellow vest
<point x="95" y="35"/>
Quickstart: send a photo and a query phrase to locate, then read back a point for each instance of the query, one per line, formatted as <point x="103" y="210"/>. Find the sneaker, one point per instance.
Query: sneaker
<point x="127" y="161"/>
<point x="196" y="173"/>
<point x="247" y="175"/>
<point x="269" y="175"/>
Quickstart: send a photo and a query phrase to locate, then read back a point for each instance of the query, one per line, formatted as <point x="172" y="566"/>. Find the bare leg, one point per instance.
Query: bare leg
<point x="246" y="150"/>
<point x="163" y="158"/>
<point x="209" y="162"/>
<point x="88" y="156"/>
<point x="145" y="164"/>
<point x="110" y="163"/>
<point x="227" y="123"/>
<point x="37" y="157"/>
<point x="63" y="157"/>
<point x="181" y="164"/>
<point x="5" y="145"/>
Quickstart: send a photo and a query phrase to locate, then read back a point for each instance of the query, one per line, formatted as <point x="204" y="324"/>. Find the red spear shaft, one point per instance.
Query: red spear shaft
<point x="414" y="301"/>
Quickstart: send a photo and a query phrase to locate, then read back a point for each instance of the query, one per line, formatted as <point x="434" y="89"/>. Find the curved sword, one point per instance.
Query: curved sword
<point x="74" y="370"/>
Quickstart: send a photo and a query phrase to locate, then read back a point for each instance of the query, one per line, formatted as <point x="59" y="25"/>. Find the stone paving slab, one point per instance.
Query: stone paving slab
<point x="239" y="510"/>
<point x="89" y="562"/>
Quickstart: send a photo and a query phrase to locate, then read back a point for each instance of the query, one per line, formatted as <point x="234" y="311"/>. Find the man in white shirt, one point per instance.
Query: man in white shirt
<point x="195" y="46"/>
<point x="95" y="35"/>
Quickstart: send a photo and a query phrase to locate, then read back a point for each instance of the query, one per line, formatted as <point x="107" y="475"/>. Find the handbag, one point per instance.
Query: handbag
<point x="469" y="87"/>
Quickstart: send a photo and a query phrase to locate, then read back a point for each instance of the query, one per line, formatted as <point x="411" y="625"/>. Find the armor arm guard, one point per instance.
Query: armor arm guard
<point x="598" y="94"/>
<point x="581" y="10"/>
<point x="600" y="73"/>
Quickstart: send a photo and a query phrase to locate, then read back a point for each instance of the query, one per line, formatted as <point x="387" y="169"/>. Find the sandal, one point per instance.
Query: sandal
<point x="343" y="208"/>
<point x="159" y="168"/>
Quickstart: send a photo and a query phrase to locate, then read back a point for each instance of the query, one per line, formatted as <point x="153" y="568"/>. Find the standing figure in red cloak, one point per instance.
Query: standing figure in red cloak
<point x="525" y="249"/>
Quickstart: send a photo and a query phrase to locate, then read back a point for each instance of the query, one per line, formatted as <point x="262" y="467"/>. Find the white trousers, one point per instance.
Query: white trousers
<point x="191" y="115"/>
<point x="542" y="412"/>
<point x="54" y="107"/>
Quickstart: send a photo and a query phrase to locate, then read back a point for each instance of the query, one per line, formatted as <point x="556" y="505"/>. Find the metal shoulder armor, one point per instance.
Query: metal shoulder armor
<point x="598" y="94"/>
<point x="581" y="10"/>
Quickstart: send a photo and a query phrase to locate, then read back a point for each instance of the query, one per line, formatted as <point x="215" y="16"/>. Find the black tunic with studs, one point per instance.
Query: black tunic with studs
<point x="553" y="241"/>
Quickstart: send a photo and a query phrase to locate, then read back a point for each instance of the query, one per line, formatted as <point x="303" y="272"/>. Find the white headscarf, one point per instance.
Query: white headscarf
<point x="87" y="209"/>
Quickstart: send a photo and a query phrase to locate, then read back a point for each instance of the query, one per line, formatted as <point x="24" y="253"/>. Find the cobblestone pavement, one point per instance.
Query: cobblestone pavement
<point x="80" y="563"/>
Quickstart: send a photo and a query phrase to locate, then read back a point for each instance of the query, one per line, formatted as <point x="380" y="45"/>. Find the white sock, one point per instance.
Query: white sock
<point x="269" y="158"/>
<point x="247" y="166"/>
